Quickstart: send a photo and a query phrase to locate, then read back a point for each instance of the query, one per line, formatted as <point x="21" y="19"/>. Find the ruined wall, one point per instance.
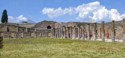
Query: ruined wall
<point x="111" y="31"/>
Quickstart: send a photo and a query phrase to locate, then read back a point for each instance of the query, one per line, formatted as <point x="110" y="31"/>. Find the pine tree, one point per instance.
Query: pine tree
<point x="4" y="18"/>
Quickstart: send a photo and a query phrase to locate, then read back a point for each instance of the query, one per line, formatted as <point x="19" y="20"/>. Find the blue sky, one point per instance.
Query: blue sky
<point x="38" y="10"/>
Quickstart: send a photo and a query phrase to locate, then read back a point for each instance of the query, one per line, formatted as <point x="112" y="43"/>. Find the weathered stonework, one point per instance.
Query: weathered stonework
<point x="113" y="31"/>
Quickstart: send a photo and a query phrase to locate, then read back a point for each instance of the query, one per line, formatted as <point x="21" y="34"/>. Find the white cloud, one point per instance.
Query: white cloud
<point x="51" y="12"/>
<point x="17" y="19"/>
<point x="115" y="15"/>
<point x="93" y="10"/>
<point x="22" y="18"/>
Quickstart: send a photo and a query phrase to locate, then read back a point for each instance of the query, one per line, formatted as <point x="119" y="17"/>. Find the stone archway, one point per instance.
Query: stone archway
<point x="48" y="27"/>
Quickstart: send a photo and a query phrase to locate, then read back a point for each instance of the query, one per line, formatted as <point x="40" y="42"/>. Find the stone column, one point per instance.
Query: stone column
<point x="123" y="30"/>
<point x="95" y="30"/>
<point x="100" y="32"/>
<point x="40" y="33"/>
<point x="57" y="33"/>
<point x="26" y="30"/>
<point x="89" y="32"/>
<point x="103" y="31"/>
<point x="65" y="32"/>
<point x="1" y="42"/>
<point x="113" y="30"/>
<point x="78" y="32"/>
<point x="17" y="27"/>
<point x="61" y="31"/>
<point x="53" y="34"/>
<point x="81" y="32"/>
<point x="71" y="32"/>
<point x="17" y="31"/>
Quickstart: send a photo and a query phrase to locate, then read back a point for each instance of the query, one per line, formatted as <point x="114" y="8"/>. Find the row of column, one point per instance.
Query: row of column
<point x="90" y="31"/>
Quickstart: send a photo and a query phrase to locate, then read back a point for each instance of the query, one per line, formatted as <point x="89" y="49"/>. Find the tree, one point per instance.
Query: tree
<point x="4" y="18"/>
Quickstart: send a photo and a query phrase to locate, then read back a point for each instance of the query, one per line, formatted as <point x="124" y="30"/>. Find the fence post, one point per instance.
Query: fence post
<point x="103" y="30"/>
<point x="113" y="29"/>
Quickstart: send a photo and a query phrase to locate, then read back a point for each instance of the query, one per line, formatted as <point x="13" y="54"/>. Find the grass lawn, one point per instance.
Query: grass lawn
<point x="60" y="48"/>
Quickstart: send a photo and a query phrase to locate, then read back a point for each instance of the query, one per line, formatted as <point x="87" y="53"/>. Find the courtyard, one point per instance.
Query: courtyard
<point x="60" y="48"/>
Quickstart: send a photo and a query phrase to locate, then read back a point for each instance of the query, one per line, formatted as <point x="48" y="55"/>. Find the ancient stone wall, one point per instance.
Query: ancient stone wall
<point x="111" y="31"/>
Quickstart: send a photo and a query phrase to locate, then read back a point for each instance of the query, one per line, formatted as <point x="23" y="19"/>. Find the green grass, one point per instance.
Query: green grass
<point x="60" y="48"/>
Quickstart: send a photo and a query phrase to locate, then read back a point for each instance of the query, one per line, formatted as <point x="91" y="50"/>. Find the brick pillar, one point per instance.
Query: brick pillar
<point x="113" y="30"/>
<point x="103" y="31"/>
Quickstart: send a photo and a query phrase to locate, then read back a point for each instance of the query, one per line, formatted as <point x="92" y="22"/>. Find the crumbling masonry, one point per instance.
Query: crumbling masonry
<point x="111" y="31"/>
